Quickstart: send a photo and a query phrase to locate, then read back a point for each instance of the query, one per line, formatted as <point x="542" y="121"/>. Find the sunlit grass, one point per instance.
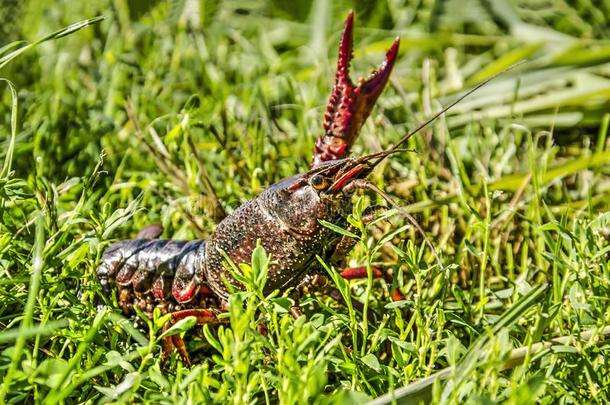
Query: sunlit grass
<point x="158" y="117"/>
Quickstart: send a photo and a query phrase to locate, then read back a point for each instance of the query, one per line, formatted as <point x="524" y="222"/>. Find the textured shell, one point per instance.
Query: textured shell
<point x="287" y="226"/>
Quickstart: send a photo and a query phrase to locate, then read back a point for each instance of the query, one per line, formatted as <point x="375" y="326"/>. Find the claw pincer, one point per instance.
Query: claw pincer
<point x="350" y="105"/>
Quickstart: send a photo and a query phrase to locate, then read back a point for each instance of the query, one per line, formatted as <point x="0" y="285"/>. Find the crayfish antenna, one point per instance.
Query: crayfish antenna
<point x="398" y="146"/>
<point x="430" y="120"/>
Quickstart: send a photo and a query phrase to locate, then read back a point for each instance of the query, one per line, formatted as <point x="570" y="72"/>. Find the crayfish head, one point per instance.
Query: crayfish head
<point x="323" y="192"/>
<point x="299" y="203"/>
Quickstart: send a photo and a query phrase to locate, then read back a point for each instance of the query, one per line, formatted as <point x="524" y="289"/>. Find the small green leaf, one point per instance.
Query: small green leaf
<point x="246" y="269"/>
<point x="159" y="320"/>
<point x="211" y="338"/>
<point x="113" y="358"/>
<point x="371" y="361"/>
<point x="564" y="349"/>
<point x="51" y="370"/>
<point x="339" y="230"/>
<point x="392" y="234"/>
<point x="181" y="326"/>
<point x="398" y="304"/>
<point x="260" y="265"/>
<point x="410" y="347"/>
<point x="281" y="305"/>
<point x="155" y="374"/>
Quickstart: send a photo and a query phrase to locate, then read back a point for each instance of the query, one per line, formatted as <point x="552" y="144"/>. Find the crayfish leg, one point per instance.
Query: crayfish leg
<point x="203" y="316"/>
<point x="358" y="273"/>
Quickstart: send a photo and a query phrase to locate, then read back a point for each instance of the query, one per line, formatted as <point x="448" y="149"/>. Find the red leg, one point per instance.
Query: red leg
<point x="357" y="273"/>
<point x="204" y="316"/>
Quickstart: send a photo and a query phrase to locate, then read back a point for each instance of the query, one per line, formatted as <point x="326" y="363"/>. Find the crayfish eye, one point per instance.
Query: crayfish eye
<point x="318" y="182"/>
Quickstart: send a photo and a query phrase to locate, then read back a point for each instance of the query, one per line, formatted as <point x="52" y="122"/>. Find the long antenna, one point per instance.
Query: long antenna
<point x="450" y="106"/>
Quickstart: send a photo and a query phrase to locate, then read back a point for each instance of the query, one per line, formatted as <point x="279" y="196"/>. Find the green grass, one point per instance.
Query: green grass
<point x="155" y="115"/>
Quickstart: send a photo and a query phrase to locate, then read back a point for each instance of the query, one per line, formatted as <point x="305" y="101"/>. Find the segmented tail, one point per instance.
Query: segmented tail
<point x="154" y="272"/>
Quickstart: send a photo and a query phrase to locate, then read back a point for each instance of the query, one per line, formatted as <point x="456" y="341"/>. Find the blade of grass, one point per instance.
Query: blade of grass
<point x="26" y="323"/>
<point x="35" y="330"/>
<point x="422" y="390"/>
<point x="8" y="158"/>
<point x="513" y="182"/>
<point x="72" y="28"/>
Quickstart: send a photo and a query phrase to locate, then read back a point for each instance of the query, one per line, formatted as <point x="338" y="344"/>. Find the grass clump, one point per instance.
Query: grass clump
<point x="177" y="112"/>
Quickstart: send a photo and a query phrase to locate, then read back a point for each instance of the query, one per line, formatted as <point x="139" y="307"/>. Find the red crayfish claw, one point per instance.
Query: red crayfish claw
<point x="350" y="105"/>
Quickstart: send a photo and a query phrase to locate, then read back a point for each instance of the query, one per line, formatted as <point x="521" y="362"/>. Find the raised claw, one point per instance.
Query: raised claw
<point x="350" y="105"/>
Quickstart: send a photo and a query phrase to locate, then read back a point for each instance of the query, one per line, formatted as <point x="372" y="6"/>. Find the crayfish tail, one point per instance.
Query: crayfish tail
<point x="150" y="273"/>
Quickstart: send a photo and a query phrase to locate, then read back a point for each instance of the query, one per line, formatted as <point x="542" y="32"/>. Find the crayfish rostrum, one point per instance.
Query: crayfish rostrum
<point x="188" y="278"/>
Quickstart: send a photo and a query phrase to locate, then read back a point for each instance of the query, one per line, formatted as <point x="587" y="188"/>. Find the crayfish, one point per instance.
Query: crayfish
<point x="188" y="278"/>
